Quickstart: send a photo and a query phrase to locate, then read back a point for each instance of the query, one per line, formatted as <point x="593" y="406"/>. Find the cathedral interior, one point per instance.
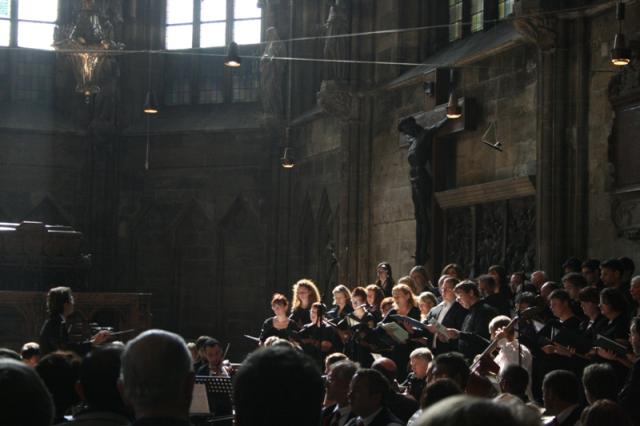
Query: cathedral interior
<point x="170" y="190"/>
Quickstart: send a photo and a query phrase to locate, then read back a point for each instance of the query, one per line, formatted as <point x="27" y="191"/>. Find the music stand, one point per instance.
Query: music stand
<point x="219" y="393"/>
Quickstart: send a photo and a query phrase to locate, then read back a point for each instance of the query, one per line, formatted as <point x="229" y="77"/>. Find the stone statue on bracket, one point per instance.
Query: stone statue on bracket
<point x="421" y="178"/>
<point x="337" y="48"/>
<point x="272" y="72"/>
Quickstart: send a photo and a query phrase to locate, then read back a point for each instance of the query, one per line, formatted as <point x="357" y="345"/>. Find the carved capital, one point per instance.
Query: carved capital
<point x="337" y="100"/>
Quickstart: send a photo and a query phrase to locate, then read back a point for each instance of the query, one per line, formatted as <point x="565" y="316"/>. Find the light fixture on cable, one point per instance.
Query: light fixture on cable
<point x="453" y="108"/>
<point x="233" y="59"/>
<point x="620" y="53"/>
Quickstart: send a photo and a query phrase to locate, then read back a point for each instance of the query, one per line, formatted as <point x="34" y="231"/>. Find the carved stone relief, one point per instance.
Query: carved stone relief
<point x="459" y="237"/>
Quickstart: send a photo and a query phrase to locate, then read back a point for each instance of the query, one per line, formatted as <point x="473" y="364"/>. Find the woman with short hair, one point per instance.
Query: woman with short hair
<point x="278" y="325"/>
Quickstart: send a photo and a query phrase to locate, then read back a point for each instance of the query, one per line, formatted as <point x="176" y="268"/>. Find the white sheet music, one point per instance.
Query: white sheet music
<point x="199" y="402"/>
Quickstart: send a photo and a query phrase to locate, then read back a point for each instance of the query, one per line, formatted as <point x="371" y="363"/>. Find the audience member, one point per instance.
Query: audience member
<point x="402" y="406"/>
<point x="561" y="396"/>
<point x="277" y="386"/>
<point x="462" y="410"/>
<point x="450" y="365"/>
<point x="24" y="396"/>
<point x="337" y="385"/>
<point x="605" y="413"/>
<point x="599" y="381"/>
<point x="157" y="378"/>
<point x="30" y="353"/>
<point x="368" y="396"/>
<point x="97" y="387"/>
<point x="435" y="391"/>
<point x="59" y="372"/>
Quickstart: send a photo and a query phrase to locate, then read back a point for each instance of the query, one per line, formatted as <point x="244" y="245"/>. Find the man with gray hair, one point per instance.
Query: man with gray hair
<point x="337" y="384"/>
<point x="157" y="378"/>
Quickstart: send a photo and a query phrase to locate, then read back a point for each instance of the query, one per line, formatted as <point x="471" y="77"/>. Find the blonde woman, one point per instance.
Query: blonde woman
<point x="341" y="303"/>
<point x="426" y="302"/>
<point x="305" y="294"/>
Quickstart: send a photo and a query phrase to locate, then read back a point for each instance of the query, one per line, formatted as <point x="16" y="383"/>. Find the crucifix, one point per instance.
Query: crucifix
<point x="426" y="160"/>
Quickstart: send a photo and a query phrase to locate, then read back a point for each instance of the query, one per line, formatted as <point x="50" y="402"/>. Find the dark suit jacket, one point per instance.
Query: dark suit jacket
<point x="327" y="415"/>
<point x="54" y="336"/>
<point x="573" y="417"/>
<point x="453" y="319"/>
<point x="383" y="418"/>
<point x="474" y="334"/>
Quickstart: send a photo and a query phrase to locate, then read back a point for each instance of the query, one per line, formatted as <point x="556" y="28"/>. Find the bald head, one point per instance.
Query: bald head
<point x="157" y="374"/>
<point x="387" y="367"/>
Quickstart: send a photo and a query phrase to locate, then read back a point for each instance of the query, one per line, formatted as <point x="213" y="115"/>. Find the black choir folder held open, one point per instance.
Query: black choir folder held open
<point x="212" y="396"/>
<point x="611" y="345"/>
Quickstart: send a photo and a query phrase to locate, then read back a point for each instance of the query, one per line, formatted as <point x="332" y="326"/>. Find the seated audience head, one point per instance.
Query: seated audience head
<point x="634" y="335"/>
<point x="277" y="386"/>
<point x="157" y="375"/>
<point x="278" y="341"/>
<point x="634" y="288"/>
<point x="341" y="295"/>
<point x="514" y="380"/>
<point x="408" y="281"/>
<point x="387" y="367"/>
<point x="612" y="303"/>
<point x="611" y="271"/>
<point x="454" y="270"/>
<point x="438" y="390"/>
<point x="193" y="350"/>
<point x="467" y="293"/>
<point x="97" y="385"/>
<point x="559" y="302"/>
<point x="599" y="381"/>
<point x="338" y="380"/>
<point x="560" y="390"/>
<point x="538" y="278"/>
<point x="419" y="360"/>
<point x="386" y="305"/>
<point x="25" y="398"/>
<point x="462" y="410"/>
<point x="420" y="276"/>
<point x="332" y="359"/>
<point x="572" y="264"/>
<point x="30" y="353"/>
<point x="305" y="294"/>
<point x="487" y="285"/>
<point x="59" y="372"/>
<point x="591" y="271"/>
<point x="375" y="295"/>
<point x="9" y="353"/>
<point x="605" y="413"/>
<point x="368" y="392"/>
<point x="451" y="365"/>
<point x="60" y="301"/>
<point x="573" y="282"/>
<point x="589" y="298"/>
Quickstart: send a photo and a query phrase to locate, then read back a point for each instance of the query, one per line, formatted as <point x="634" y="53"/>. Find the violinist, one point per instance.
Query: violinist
<point x="305" y="294"/>
<point x="341" y="303"/>
<point x="54" y="334"/>
<point x="279" y="325"/>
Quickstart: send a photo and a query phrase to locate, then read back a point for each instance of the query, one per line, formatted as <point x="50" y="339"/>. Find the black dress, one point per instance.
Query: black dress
<point x="318" y="334"/>
<point x="401" y="351"/>
<point x="269" y="330"/>
<point x="301" y="316"/>
<point x="335" y="314"/>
